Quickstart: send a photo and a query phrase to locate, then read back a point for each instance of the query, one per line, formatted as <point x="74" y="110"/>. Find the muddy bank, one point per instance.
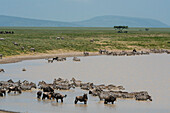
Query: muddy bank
<point x="5" y="111"/>
<point x="15" y="59"/>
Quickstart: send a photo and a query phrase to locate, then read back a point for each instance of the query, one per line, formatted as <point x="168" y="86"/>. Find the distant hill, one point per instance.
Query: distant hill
<point x="110" y="21"/>
<point x="100" y="21"/>
<point x="25" y="22"/>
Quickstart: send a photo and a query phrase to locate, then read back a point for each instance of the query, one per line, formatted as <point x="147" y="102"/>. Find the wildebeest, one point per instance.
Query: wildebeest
<point x="76" y="59"/>
<point x="47" y="95"/>
<point x="83" y="98"/>
<point x="56" y="58"/>
<point x="143" y="97"/>
<point x="6" y="32"/>
<point x="2" y="92"/>
<point x="86" y="54"/>
<point x="23" y="69"/>
<point x="58" y="96"/>
<point x="134" y="50"/>
<point x="58" y="38"/>
<point x="15" y="43"/>
<point x="62" y="38"/>
<point x="39" y="93"/>
<point x="92" y="40"/>
<point x="50" y="60"/>
<point x="22" y="48"/>
<point x="28" y="86"/>
<point x="2" y="70"/>
<point x="0" y="56"/>
<point x="32" y="49"/>
<point x="48" y="89"/>
<point x="60" y="58"/>
<point x="102" y="51"/>
<point x="109" y="99"/>
<point x="2" y="38"/>
<point x="15" y="89"/>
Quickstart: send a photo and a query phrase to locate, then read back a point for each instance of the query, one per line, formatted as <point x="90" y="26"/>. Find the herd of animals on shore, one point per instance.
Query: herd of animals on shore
<point x="108" y="93"/>
<point x="105" y="52"/>
<point x="123" y="53"/>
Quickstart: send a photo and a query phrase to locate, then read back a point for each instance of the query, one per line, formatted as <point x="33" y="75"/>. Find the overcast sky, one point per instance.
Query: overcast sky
<point x="75" y="10"/>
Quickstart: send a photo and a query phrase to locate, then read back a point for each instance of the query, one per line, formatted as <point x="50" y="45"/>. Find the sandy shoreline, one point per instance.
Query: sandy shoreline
<point x="14" y="59"/>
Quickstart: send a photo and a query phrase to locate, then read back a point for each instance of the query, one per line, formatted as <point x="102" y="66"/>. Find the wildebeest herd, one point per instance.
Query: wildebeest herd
<point x="105" y="52"/>
<point x="108" y="93"/>
<point x="6" y="32"/>
<point x="134" y="52"/>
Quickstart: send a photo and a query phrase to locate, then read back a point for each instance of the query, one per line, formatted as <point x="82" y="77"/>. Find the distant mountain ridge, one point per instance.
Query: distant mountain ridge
<point x="99" y="21"/>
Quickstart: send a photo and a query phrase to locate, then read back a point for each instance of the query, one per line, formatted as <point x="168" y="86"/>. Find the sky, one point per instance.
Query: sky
<point x="77" y="10"/>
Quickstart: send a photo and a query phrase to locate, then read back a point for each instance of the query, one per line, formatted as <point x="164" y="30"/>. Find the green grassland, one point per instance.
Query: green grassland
<point x="78" y="39"/>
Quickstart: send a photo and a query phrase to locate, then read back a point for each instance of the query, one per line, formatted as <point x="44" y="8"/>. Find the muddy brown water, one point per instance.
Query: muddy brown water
<point x="136" y="73"/>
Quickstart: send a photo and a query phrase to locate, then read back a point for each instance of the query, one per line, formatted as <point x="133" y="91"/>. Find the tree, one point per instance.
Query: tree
<point x="121" y="28"/>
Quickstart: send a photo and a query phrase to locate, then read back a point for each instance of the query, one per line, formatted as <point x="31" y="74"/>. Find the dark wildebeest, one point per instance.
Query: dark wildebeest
<point x="2" y="70"/>
<point x="56" y="58"/>
<point x="2" y="92"/>
<point x="58" y="96"/>
<point x="48" y="89"/>
<point x="50" y="60"/>
<point x="0" y="56"/>
<point x="39" y="93"/>
<point x="102" y="51"/>
<point x="32" y="49"/>
<point x="16" y="44"/>
<point x="59" y="59"/>
<point x="134" y="51"/>
<point x="109" y="99"/>
<point x="83" y="98"/>
<point x="86" y="54"/>
<point x="15" y="89"/>
<point x="47" y="95"/>
<point x="22" y="48"/>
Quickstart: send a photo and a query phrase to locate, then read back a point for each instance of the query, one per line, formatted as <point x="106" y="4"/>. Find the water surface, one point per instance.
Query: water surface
<point x="136" y="73"/>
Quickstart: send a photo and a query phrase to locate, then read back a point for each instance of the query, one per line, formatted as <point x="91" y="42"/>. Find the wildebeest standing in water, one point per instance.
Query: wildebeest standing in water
<point x="39" y="93"/>
<point x="76" y="59"/>
<point x="83" y="98"/>
<point x="58" y="96"/>
<point x="110" y="99"/>
<point x="15" y="89"/>
<point x="2" y="70"/>
<point x="50" y="60"/>
<point x="2" y="92"/>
